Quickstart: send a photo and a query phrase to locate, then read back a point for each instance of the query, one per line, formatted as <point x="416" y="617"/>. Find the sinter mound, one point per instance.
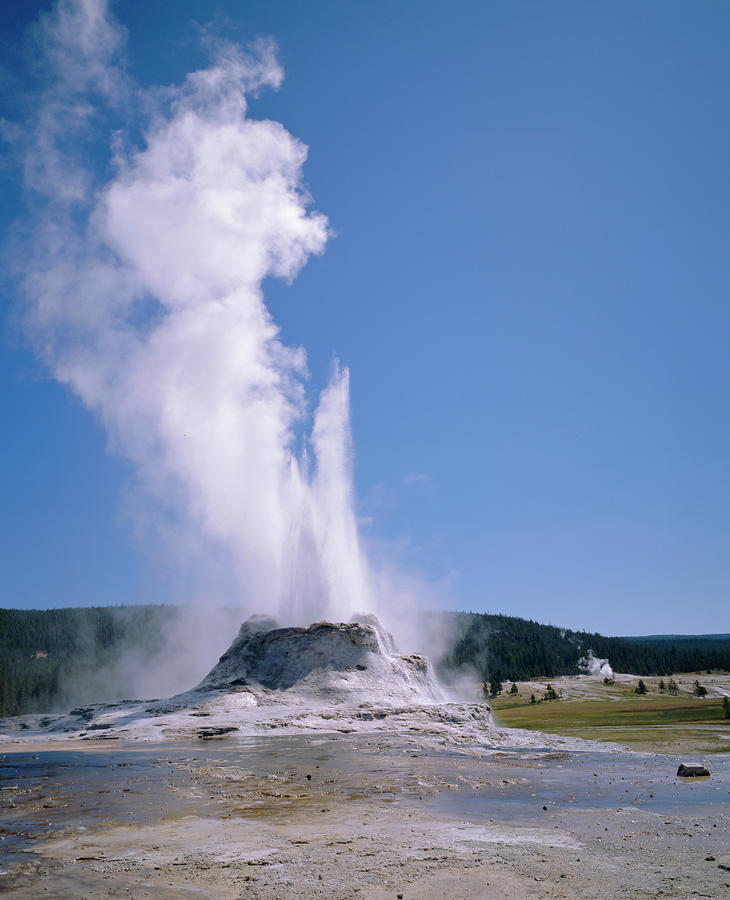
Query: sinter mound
<point x="347" y="659"/>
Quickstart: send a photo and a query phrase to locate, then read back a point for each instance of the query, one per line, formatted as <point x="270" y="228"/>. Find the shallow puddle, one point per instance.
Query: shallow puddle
<point x="591" y="781"/>
<point x="59" y="792"/>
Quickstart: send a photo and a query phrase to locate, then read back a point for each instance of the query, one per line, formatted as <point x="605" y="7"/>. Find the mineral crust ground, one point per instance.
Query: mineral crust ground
<point x="358" y="815"/>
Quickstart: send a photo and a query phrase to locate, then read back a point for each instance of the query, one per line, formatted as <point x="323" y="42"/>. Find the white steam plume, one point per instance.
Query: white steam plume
<point x="143" y="296"/>
<point x="592" y="665"/>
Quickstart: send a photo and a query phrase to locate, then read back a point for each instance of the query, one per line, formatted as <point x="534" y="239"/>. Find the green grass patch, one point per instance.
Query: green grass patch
<point x="556" y="714"/>
<point x="655" y="723"/>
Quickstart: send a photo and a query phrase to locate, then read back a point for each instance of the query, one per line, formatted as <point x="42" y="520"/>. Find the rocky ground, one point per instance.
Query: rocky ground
<point x="359" y="816"/>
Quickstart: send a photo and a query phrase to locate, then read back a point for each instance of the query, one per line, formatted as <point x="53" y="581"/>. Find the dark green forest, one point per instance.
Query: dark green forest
<point x="520" y="649"/>
<point x="53" y="659"/>
<point x="56" y="658"/>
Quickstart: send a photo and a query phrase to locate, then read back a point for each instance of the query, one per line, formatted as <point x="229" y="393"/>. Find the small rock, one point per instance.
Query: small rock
<point x="205" y="734"/>
<point x="691" y="770"/>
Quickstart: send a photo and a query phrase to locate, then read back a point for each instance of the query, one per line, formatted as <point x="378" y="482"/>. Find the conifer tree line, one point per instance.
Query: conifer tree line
<point x="50" y="660"/>
<point x="507" y="647"/>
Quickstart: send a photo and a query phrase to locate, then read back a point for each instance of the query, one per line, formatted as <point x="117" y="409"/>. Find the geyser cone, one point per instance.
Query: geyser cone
<point x="336" y="662"/>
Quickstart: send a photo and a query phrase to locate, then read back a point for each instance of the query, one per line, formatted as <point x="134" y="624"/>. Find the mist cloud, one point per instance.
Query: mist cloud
<point x="141" y="274"/>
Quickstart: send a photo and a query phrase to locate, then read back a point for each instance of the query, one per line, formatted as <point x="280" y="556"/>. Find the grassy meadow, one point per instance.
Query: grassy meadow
<point x="589" y="709"/>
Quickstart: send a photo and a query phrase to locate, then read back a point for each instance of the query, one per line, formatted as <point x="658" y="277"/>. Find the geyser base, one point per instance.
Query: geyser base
<point x="329" y="677"/>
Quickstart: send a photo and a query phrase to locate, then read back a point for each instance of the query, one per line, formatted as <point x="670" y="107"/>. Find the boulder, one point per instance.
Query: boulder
<point x="691" y="770"/>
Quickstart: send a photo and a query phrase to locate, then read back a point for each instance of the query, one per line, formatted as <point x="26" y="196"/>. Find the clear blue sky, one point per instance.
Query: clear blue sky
<point x="529" y="282"/>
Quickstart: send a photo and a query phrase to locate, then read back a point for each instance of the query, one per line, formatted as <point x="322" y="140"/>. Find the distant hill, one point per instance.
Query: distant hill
<point x="58" y="658"/>
<point x="520" y="649"/>
<point x="680" y="638"/>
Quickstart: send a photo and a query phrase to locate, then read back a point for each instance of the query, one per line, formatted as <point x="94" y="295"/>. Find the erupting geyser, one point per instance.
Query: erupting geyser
<point x="157" y="215"/>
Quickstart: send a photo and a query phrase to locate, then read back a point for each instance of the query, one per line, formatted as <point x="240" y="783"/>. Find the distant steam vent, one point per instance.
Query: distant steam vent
<point x="592" y="665"/>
